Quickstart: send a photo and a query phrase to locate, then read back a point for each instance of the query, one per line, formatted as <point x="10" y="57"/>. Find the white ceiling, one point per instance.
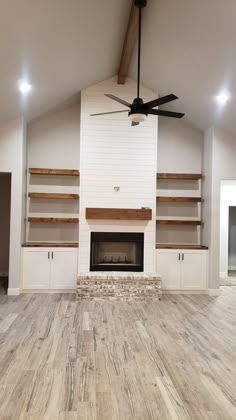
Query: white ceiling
<point x="189" y="49"/>
<point x="63" y="46"/>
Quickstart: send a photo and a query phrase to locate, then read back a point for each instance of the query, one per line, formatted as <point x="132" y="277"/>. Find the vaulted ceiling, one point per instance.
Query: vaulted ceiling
<point x="63" y="46"/>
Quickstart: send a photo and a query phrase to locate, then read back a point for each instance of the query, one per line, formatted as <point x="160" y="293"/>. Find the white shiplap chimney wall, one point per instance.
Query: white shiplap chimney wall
<point x="114" y="154"/>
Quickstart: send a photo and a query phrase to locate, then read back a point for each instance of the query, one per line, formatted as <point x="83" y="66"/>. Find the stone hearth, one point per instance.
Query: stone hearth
<point x="118" y="286"/>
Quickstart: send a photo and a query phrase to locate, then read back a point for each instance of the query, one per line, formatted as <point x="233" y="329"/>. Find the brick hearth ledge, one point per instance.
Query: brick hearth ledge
<point x="118" y="286"/>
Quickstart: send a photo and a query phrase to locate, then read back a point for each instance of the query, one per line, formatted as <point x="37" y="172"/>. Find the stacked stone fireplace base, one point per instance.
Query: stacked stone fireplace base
<point x="113" y="286"/>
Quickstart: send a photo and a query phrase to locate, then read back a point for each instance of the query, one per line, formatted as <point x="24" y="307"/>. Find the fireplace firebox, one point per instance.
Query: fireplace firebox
<point x="113" y="251"/>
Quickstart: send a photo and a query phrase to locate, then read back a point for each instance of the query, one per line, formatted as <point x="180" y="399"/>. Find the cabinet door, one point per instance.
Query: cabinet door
<point x="36" y="269"/>
<point x="168" y="266"/>
<point x="194" y="270"/>
<point x="64" y="268"/>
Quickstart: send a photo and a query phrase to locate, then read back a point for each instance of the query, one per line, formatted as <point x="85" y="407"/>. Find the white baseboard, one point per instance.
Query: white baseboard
<point x="214" y="292"/>
<point x="13" y="292"/>
<point x="48" y="291"/>
<point x="184" y="292"/>
<point x="223" y="274"/>
<point x="232" y="267"/>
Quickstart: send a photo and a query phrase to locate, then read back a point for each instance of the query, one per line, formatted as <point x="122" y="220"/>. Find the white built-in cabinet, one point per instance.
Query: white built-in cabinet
<point x="182" y="269"/>
<point x="49" y="268"/>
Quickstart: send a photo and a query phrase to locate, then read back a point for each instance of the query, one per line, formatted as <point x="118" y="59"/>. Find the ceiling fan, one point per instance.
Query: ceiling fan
<point x="138" y="109"/>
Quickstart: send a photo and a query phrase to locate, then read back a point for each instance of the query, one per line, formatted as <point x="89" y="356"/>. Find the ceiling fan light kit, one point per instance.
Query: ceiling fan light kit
<point x="137" y="118"/>
<point x="139" y="110"/>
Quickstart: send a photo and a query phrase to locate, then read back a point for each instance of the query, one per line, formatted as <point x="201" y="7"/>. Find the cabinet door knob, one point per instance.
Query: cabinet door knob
<point x="52" y="255"/>
<point x="48" y="255"/>
<point x="179" y="256"/>
<point x="182" y="257"/>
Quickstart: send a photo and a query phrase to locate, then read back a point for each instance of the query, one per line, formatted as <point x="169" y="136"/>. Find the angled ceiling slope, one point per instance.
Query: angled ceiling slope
<point x="60" y="46"/>
<point x="189" y="48"/>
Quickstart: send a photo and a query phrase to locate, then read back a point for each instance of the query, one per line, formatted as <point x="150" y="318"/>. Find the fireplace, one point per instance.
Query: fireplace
<point x="112" y="251"/>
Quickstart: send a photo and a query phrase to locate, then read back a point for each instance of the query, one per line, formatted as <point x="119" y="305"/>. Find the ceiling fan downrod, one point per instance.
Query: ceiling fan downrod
<point x="138" y="110"/>
<point x="140" y="4"/>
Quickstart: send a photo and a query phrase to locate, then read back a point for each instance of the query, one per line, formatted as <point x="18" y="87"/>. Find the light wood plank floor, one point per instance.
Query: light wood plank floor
<point x="230" y="280"/>
<point x="175" y="359"/>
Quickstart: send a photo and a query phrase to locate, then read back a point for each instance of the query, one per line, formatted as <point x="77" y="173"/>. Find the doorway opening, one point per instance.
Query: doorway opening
<point x="228" y="233"/>
<point x="5" y="212"/>
<point x="232" y="246"/>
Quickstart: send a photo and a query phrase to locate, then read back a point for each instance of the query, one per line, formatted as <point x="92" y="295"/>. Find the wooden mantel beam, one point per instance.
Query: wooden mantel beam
<point x="129" y="44"/>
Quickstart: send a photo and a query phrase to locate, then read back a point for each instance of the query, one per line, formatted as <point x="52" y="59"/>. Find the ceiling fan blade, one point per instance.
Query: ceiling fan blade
<point x="161" y="101"/>
<point x="115" y="98"/>
<point x="106" y="113"/>
<point x="163" y="113"/>
<point x="134" y="123"/>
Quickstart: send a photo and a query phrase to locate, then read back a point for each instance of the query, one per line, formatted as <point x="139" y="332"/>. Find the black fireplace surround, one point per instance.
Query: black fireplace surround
<point x="113" y="251"/>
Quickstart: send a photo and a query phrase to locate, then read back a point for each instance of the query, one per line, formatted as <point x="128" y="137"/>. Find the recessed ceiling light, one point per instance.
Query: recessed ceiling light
<point x="24" y="87"/>
<point x="222" y="98"/>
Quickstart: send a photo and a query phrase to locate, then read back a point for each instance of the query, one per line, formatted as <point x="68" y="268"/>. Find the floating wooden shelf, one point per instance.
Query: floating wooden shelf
<point x="118" y="214"/>
<point x="53" y="219"/>
<point x="179" y="222"/>
<point x="50" y="245"/>
<point x="54" y="195"/>
<point x="173" y="246"/>
<point x="179" y="199"/>
<point x="45" y="171"/>
<point x="193" y="177"/>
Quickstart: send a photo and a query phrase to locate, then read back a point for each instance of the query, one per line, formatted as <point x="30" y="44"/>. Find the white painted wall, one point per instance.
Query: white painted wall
<point x="24" y="184"/>
<point x="179" y="147"/>
<point x="207" y="168"/>
<point x="221" y="167"/>
<point x="207" y="159"/>
<point x="179" y="150"/>
<point x="54" y="142"/>
<point x="115" y="154"/>
<point x="12" y="160"/>
<point x="224" y="168"/>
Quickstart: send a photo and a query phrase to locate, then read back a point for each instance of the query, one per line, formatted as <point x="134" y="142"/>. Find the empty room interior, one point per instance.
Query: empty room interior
<point x="117" y="210"/>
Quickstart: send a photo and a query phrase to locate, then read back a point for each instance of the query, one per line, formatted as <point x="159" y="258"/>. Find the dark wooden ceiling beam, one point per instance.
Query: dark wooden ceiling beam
<point x="129" y="44"/>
